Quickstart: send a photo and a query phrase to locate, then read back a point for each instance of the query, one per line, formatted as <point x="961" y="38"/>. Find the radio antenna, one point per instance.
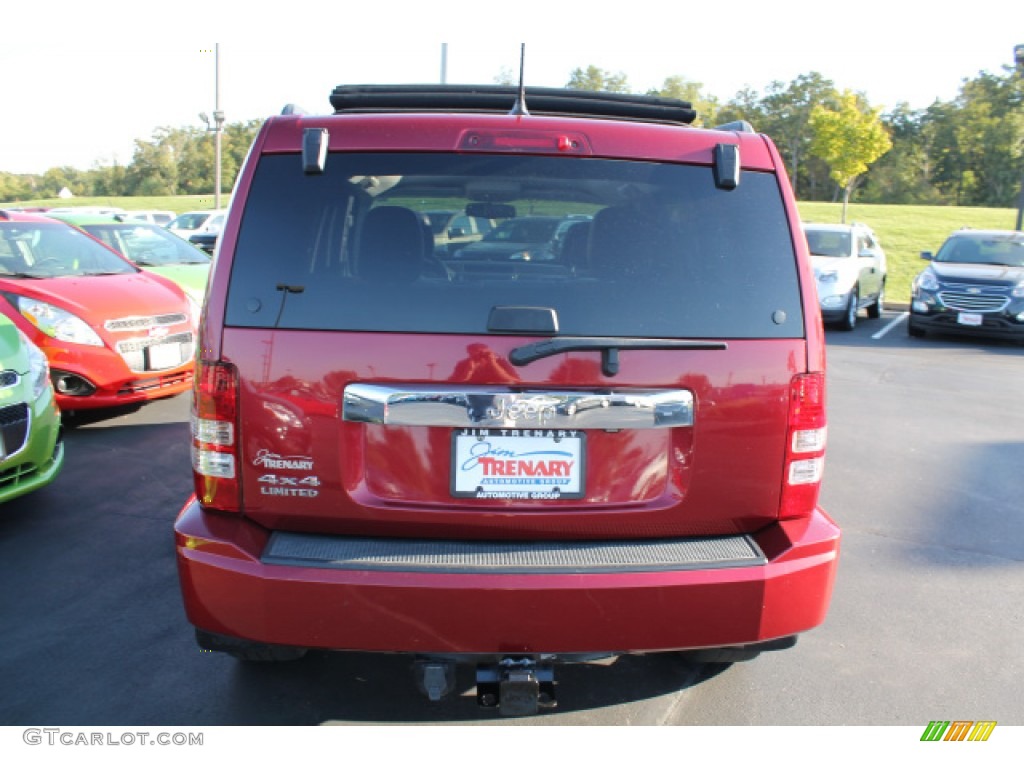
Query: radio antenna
<point x="519" y="108"/>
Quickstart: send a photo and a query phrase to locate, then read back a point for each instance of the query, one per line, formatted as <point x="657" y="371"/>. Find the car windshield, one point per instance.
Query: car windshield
<point x="35" y="250"/>
<point x="647" y="250"/>
<point x="147" y="245"/>
<point x="1007" y="251"/>
<point x="828" y="242"/>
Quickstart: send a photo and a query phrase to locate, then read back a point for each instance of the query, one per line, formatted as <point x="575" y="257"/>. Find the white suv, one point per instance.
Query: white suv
<point x="849" y="269"/>
<point x="197" y="222"/>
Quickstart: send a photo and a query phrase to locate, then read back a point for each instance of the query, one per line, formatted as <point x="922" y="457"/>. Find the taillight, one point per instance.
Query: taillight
<point x="214" y="436"/>
<point x="805" y="446"/>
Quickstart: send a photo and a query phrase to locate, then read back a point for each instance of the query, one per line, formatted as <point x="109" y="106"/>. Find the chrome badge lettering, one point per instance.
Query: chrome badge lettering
<point x="269" y="460"/>
<point x="533" y="409"/>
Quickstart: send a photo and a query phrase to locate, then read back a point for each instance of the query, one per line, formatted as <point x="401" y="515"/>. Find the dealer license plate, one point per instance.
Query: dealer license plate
<point x="163" y="356"/>
<point x="518" y="464"/>
<point x="969" y="318"/>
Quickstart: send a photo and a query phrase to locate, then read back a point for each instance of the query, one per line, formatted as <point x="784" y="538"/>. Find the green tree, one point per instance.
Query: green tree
<point x="678" y="87"/>
<point x="849" y="139"/>
<point x="15" y="187"/>
<point x="153" y="170"/>
<point x="903" y="174"/>
<point x="745" y="105"/>
<point x="595" y="79"/>
<point x="56" y="179"/>
<point x="787" y="109"/>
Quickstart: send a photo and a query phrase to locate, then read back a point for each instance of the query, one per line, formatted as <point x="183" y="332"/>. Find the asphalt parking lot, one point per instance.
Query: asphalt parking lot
<point x="923" y="474"/>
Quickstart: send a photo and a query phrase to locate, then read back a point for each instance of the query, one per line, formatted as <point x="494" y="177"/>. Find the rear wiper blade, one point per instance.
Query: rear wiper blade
<point x="609" y="348"/>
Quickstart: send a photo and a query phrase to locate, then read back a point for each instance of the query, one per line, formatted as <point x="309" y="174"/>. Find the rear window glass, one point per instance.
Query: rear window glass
<point x="615" y="248"/>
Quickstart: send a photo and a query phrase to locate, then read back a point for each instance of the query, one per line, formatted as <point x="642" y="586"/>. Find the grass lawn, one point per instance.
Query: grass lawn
<point x="904" y="230"/>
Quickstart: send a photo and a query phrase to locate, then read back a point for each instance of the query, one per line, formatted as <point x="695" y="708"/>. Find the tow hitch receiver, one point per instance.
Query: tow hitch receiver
<point x="517" y="687"/>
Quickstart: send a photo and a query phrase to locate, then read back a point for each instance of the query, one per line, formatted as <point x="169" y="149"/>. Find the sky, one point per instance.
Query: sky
<point x="99" y="75"/>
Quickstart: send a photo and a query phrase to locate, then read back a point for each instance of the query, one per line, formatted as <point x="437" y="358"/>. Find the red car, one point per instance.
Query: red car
<point x="616" y="448"/>
<point x="113" y="334"/>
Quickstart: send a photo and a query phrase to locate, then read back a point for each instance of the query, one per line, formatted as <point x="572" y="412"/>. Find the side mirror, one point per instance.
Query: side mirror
<point x="926" y="255"/>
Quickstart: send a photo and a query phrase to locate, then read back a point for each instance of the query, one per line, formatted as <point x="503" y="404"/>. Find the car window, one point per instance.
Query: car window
<point x="189" y="221"/>
<point x="658" y="251"/>
<point x="147" y="245"/>
<point x="828" y="242"/>
<point x="57" y="250"/>
<point x="983" y="250"/>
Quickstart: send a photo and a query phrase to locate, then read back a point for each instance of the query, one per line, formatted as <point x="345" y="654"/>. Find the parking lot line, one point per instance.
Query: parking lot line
<point x="892" y="324"/>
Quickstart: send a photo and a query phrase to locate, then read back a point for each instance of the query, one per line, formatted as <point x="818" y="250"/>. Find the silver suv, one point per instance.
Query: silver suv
<point x="849" y="269"/>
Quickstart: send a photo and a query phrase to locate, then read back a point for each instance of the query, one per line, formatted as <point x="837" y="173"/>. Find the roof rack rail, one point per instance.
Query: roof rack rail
<point x="501" y="99"/>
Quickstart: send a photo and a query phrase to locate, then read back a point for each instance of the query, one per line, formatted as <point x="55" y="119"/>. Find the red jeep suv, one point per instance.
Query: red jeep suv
<point x="607" y="443"/>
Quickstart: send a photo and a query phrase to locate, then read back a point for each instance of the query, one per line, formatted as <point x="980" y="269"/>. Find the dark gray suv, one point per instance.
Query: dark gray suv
<point x="974" y="284"/>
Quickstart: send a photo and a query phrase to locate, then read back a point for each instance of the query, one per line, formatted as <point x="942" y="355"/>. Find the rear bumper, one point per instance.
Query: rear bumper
<point x="229" y="589"/>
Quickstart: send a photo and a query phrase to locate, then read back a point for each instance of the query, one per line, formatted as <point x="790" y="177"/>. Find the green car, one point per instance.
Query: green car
<point x="31" y="449"/>
<point x="151" y="247"/>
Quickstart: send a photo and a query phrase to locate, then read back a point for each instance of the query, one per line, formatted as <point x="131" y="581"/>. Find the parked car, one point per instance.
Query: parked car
<point x="850" y="271"/>
<point x="522" y="465"/>
<point x="113" y="334"/>
<point x="31" y="448"/>
<point x="151" y="247"/>
<point x="525" y="238"/>
<point x="87" y="210"/>
<point x="974" y="285"/>
<point x="162" y="218"/>
<point x="453" y="230"/>
<point x="205" y="241"/>
<point x="196" y="222"/>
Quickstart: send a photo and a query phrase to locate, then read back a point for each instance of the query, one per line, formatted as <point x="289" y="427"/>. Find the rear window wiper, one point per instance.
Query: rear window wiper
<point x="609" y="348"/>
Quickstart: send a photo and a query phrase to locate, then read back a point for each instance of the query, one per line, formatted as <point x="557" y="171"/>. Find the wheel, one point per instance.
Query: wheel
<point x="875" y="310"/>
<point x="913" y="330"/>
<point x="849" y="321"/>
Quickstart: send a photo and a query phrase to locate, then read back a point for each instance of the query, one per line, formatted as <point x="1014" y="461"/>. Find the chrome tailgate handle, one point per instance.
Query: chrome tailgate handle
<point x="487" y="407"/>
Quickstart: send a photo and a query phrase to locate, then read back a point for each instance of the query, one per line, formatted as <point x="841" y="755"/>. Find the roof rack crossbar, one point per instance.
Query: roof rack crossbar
<point x="498" y="98"/>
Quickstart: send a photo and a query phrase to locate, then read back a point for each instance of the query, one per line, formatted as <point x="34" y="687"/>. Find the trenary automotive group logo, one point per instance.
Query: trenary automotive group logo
<point x="958" y="730"/>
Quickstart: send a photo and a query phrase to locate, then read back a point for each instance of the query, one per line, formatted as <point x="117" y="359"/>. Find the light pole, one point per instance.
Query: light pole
<point x="218" y="126"/>
<point x="1018" y="57"/>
